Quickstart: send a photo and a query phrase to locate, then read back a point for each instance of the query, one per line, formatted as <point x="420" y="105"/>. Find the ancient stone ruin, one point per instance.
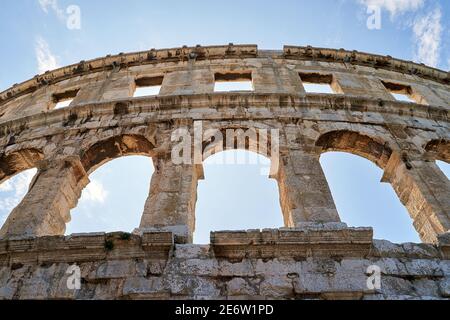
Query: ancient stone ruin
<point x="315" y="256"/>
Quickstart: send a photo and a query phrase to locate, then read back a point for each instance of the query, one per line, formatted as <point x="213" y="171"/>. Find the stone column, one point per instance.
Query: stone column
<point x="305" y="196"/>
<point x="425" y="191"/>
<point x="45" y="210"/>
<point x="172" y="199"/>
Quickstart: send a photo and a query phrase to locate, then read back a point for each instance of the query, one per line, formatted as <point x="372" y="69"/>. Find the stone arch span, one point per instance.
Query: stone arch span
<point x="116" y="146"/>
<point x="262" y="140"/>
<point x="410" y="178"/>
<point x="356" y="143"/>
<point x="440" y="149"/>
<point x="18" y="161"/>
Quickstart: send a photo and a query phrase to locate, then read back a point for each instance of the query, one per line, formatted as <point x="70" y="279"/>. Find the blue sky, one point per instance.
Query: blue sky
<point x="36" y="38"/>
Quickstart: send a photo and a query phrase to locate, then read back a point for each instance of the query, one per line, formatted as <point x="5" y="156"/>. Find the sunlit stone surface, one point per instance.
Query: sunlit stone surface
<point x="314" y="256"/>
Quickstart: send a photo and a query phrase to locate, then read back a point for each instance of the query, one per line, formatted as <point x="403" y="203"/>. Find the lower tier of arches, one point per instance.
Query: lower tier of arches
<point x="305" y="196"/>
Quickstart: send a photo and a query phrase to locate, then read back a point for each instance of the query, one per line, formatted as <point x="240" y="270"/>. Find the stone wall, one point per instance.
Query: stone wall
<point x="105" y="122"/>
<point x="315" y="262"/>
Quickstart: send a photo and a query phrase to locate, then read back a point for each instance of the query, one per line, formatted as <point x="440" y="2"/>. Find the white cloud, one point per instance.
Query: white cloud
<point x="47" y="5"/>
<point x="6" y="186"/>
<point x="94" y="192"/>
<point x="13" y="190"/>
<point x="45" y="58"/>
<point x="427" y="37"/>
<point x="395" y="6"/>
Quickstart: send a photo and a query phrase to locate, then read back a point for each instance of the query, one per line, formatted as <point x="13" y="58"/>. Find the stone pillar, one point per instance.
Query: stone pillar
<point x="425" y="191"/>
<point x="304" y="192"/>
<point x="45" y="210"/>
<point x="172" y="199"/>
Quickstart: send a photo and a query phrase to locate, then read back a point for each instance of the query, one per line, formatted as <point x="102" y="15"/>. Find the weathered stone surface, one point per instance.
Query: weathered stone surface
<point x="116" y="269"/>
<point x="241" y="287"/>
<point x="444" y="287"/>
<point x="144" y="288"/>
<point x="190" y="251"/>
<point x="194" y="272"/>
<point x="298" y="243"/>
<point x="315" y="256"/>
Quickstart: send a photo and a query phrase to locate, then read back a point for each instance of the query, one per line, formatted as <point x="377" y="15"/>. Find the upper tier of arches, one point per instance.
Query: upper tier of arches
<point x="219" y="52"/>
<point x="191" y="71"/>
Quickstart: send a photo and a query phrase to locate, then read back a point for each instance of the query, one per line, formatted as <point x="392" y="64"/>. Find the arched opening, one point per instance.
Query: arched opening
<point x="362" y="200"/>
<point x="439" y="150"/>
<point x="359" y="196"/>
<point x="115" y="147"/>
<point x="12" y="191"/>
<point x="445" y="167"/>
<point x="18" y="161"/>
<point x="120" y="170"/>
<point x="16" y="174"/>
<point x="356" y="143"/>
<point x="236" y="195"/>
<point x="115" y="197"/>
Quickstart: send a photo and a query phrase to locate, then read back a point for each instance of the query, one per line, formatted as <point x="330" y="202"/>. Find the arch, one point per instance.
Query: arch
<point x="362" y="200"/>
<point x="18" y="161"/>
<point x="440" y="149"/>
<point x="249" y="138"/>
<point x="115" y="147"/>
<point x="356" y="143"/>
<point x="236" y="197"/>
<point x="12" y="165"/>
<point x="112" y="148"/>
<point x="115" y="197"/>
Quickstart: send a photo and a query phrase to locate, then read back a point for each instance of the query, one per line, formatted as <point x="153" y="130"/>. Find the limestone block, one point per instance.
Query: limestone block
<point x="277" y="267"/>
<point x="391" y="286"/>
<point x="201" y="267"/>
<point x="244" y="268"/>
<point x="8" y="284"/>
<point x="144" y="287"/>
<point x="109" y="291"/>
<point x="426" y="287"/>
<point x="115" y="270"/>
<point x="38" y="286"/>
<point x="241" y="287"/>
<point x="292" y="242"/>
<point x="277" y="287"/>
<point x="189" y="251"/>
<point x="444" y="287"/>
<point x="191" y="286"/>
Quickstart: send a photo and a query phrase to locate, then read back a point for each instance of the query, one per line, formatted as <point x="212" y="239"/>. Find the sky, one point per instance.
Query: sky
<point x="40" y="35"/>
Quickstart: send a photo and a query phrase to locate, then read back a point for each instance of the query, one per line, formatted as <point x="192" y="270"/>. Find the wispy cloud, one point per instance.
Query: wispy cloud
<point x="52" y="5"/>
<point x="427" y="37"/>
<point x="45" y="58"/>
<point x="395" y="7"/>
<point x="95" y="192"/>
<point x="12" y="192"/>
<point x="427" y="28"/>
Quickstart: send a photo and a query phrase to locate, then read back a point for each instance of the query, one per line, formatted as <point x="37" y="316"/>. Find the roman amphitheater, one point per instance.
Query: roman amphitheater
<point x="315" y="256"/>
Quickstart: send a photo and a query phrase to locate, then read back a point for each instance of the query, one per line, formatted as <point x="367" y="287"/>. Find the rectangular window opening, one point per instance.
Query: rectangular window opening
<point x="149" y="86"/>
<point x="403" y="92"/>
<point x="319" y="83"/>
<point x="64" y="99"/>
<point x="233" y="82"/>
<point x="403" y="97"/>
